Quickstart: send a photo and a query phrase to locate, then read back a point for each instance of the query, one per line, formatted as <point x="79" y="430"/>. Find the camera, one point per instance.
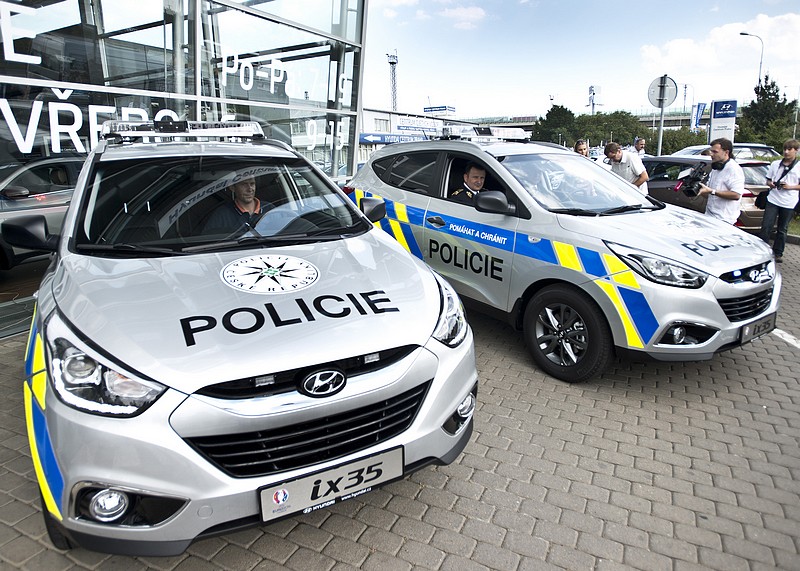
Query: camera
<point x="689" y="180"/>
<point x="780" y="184"/>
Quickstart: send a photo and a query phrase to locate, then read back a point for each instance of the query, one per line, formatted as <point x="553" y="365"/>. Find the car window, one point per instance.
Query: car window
<point x="177" y="202"/>
<point x="743" y="153"/>
<point x="566" y="181"/>
<point x="414" y="172"/>
<point x="755" y="174"/>
<point x="455" y="175"/>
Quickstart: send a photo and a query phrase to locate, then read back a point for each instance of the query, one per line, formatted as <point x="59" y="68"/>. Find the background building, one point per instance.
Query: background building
<point x="69" y="65"/>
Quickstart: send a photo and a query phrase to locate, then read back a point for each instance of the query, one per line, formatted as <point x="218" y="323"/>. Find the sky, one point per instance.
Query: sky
<point x="491" y="58"/>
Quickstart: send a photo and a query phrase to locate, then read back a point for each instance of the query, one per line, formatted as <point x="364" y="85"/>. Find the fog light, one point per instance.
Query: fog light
<point x="108" y="505"/>
<point x="467" y="406"/>
<point x="463" y="413"/>
<point x="678" y="335"/>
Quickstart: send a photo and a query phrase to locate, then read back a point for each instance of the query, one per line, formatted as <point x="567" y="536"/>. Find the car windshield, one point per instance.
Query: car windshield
<point x="569" y="182"/>
<point x="185" y="204"/>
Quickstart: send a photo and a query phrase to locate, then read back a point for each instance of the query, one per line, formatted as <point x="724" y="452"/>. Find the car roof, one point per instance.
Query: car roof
<point x="197" y="148"/>
<point x="692" y="159"/>
<point x="493" y="148"/>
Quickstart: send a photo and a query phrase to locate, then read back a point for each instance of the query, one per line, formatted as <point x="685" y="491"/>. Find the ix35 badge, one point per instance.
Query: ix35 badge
<point x="269" y="274"/>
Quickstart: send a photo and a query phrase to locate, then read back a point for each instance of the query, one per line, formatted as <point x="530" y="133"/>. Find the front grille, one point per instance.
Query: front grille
<point x="287" y="381"/>
<point x="741" y="308"/>
<point x="266" y="452"/>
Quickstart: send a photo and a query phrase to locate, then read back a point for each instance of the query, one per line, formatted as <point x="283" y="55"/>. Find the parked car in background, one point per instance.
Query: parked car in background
<point x="38" y="187"/>
<point x="665" y="170"/>
<point x="741" y="151"/>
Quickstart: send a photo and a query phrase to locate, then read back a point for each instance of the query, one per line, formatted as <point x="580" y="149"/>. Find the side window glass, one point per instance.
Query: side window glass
<point x="673" y="171"/>
<point x="414" y="172"/>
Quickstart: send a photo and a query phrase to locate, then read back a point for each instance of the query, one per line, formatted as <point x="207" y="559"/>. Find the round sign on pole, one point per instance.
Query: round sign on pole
<point x="662" y="92"/>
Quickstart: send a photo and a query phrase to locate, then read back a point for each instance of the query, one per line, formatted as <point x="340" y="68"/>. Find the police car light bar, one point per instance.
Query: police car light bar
<point x="169" y="128"/>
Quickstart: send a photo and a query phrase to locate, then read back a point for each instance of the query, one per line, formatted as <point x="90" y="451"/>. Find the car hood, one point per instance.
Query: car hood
<point x="179" y="321"/>
<point x="700" y="241"/>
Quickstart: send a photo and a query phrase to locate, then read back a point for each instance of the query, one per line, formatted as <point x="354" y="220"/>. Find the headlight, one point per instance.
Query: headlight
<point x="658" y="269"/>
<point x="451" y="329"/>
<point x="83" y="382"/>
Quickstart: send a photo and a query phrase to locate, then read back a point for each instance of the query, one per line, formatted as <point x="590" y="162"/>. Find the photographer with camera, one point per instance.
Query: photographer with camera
<point x="784" y="182"/>
<point x="725" y="184"/>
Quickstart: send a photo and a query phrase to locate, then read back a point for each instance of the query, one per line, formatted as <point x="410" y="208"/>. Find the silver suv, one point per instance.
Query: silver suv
<point x="193" y="369"/>
<point x="572" y="255"/>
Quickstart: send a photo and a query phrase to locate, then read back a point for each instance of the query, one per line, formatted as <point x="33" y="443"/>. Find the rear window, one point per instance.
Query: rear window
<point x="414" y="172"/>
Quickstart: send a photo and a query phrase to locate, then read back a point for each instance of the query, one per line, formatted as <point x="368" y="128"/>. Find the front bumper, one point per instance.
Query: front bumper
<point x="150" y="455"/>
<point x="707" y="314"/>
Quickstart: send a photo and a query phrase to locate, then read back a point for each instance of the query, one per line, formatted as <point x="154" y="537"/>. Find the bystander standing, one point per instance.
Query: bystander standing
<point x="784" y="182"/>
<point x="628" y="165"/>
<point x="725" y="183"/>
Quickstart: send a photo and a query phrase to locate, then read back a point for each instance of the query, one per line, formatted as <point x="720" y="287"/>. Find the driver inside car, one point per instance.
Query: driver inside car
<point x="243" y="211"/>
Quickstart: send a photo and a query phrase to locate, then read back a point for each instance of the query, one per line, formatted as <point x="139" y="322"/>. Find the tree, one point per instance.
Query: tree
<point x="769" y="118"/>
<point x="559" y="119"/>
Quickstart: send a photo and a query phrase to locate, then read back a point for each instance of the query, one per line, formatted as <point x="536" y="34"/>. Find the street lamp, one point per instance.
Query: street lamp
<point x="762" y="54"/>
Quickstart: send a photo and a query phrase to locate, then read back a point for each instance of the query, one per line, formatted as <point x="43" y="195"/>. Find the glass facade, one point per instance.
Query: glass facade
<point x="69" y="65"/>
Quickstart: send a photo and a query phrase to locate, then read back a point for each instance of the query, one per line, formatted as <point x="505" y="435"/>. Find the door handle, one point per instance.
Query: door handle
<point x="436" y="221"/>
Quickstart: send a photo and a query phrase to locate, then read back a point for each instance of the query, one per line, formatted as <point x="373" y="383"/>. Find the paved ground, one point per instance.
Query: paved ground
<point x="654" y="466"/>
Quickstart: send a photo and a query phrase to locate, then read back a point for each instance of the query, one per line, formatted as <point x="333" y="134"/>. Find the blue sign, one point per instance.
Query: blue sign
<point x="388" y="138"/>
<point x="445" y="108"/>
<point x="723" y="109"/>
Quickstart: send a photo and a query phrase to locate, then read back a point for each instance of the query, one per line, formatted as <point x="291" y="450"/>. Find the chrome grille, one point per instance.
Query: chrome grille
<point x="741" y="308"/>
<point x="266" y="452"/>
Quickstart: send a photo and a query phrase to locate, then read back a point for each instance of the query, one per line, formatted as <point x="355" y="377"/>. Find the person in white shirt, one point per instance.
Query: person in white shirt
<point x="725" y="184"/>
<point x="627" y="165"/>
<point x="783" y="178"/>
<point x="638" y="146"/>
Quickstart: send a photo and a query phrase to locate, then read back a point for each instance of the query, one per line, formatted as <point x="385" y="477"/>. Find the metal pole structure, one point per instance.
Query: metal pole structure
<point x="662" y="87"/>
<point x="393" y="78"/>
<point x="760" y="61"/>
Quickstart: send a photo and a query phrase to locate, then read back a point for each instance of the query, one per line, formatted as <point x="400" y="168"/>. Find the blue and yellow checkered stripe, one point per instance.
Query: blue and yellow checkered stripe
<point x="45" y="465"/>
<point x="614" y="278"/>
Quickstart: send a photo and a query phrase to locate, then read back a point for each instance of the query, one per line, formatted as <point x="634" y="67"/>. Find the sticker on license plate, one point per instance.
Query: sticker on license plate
<point x="323" y="489"/>
<point x="757" y="328"/>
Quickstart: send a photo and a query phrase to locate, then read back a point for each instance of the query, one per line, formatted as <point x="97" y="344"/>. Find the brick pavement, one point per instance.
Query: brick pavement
<point x="657" y="466"/>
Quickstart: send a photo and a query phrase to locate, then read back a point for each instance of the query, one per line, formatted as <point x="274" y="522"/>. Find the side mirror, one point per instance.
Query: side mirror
<point x="374" y="208"/>
<point x="15" y="192"/>
<point x="493" y="202"/>
<point x="29" y="232"/>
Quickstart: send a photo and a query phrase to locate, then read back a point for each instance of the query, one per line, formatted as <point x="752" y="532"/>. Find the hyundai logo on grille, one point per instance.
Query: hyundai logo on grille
<point x="323" y="383"/>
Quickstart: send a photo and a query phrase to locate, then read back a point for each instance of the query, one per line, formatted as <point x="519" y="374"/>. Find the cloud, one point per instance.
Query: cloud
<point x="422" y="15"/>
<point x="464" y="18"/>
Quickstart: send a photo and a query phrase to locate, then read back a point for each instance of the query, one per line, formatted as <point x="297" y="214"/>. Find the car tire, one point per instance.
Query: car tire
<point x="567" y="334"/>
<point x="58" y="539"/>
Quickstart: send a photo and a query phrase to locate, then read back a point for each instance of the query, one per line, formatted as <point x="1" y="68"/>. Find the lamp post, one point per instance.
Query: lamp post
<point x="760" y="61"/>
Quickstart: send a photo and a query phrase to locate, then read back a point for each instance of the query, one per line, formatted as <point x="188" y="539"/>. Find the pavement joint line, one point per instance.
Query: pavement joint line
<point x="789" y="338"/>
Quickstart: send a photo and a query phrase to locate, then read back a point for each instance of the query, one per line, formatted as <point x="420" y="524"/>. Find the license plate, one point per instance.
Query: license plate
<point x="757" y="328"/>
<point x="323" y="489"/>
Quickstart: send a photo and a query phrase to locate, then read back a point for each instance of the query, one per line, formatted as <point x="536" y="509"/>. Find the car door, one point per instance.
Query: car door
<point x="406" y="183"/>
<point x="664" y="176"/>
<point x="473" y="250"/>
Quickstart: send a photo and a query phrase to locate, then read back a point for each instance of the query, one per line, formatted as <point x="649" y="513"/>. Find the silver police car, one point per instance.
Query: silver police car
<point x="570" y="254"/>
<point x="223" y="340"/>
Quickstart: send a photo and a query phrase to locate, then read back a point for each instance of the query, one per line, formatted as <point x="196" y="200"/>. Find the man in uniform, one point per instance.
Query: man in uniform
<point x="474" y="177"/>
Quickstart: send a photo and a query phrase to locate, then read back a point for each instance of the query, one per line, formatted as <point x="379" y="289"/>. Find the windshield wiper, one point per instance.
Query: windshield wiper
<point x="621" y="209"/>
<point x="126" y="248"/>
<point x="574" y="211"/>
